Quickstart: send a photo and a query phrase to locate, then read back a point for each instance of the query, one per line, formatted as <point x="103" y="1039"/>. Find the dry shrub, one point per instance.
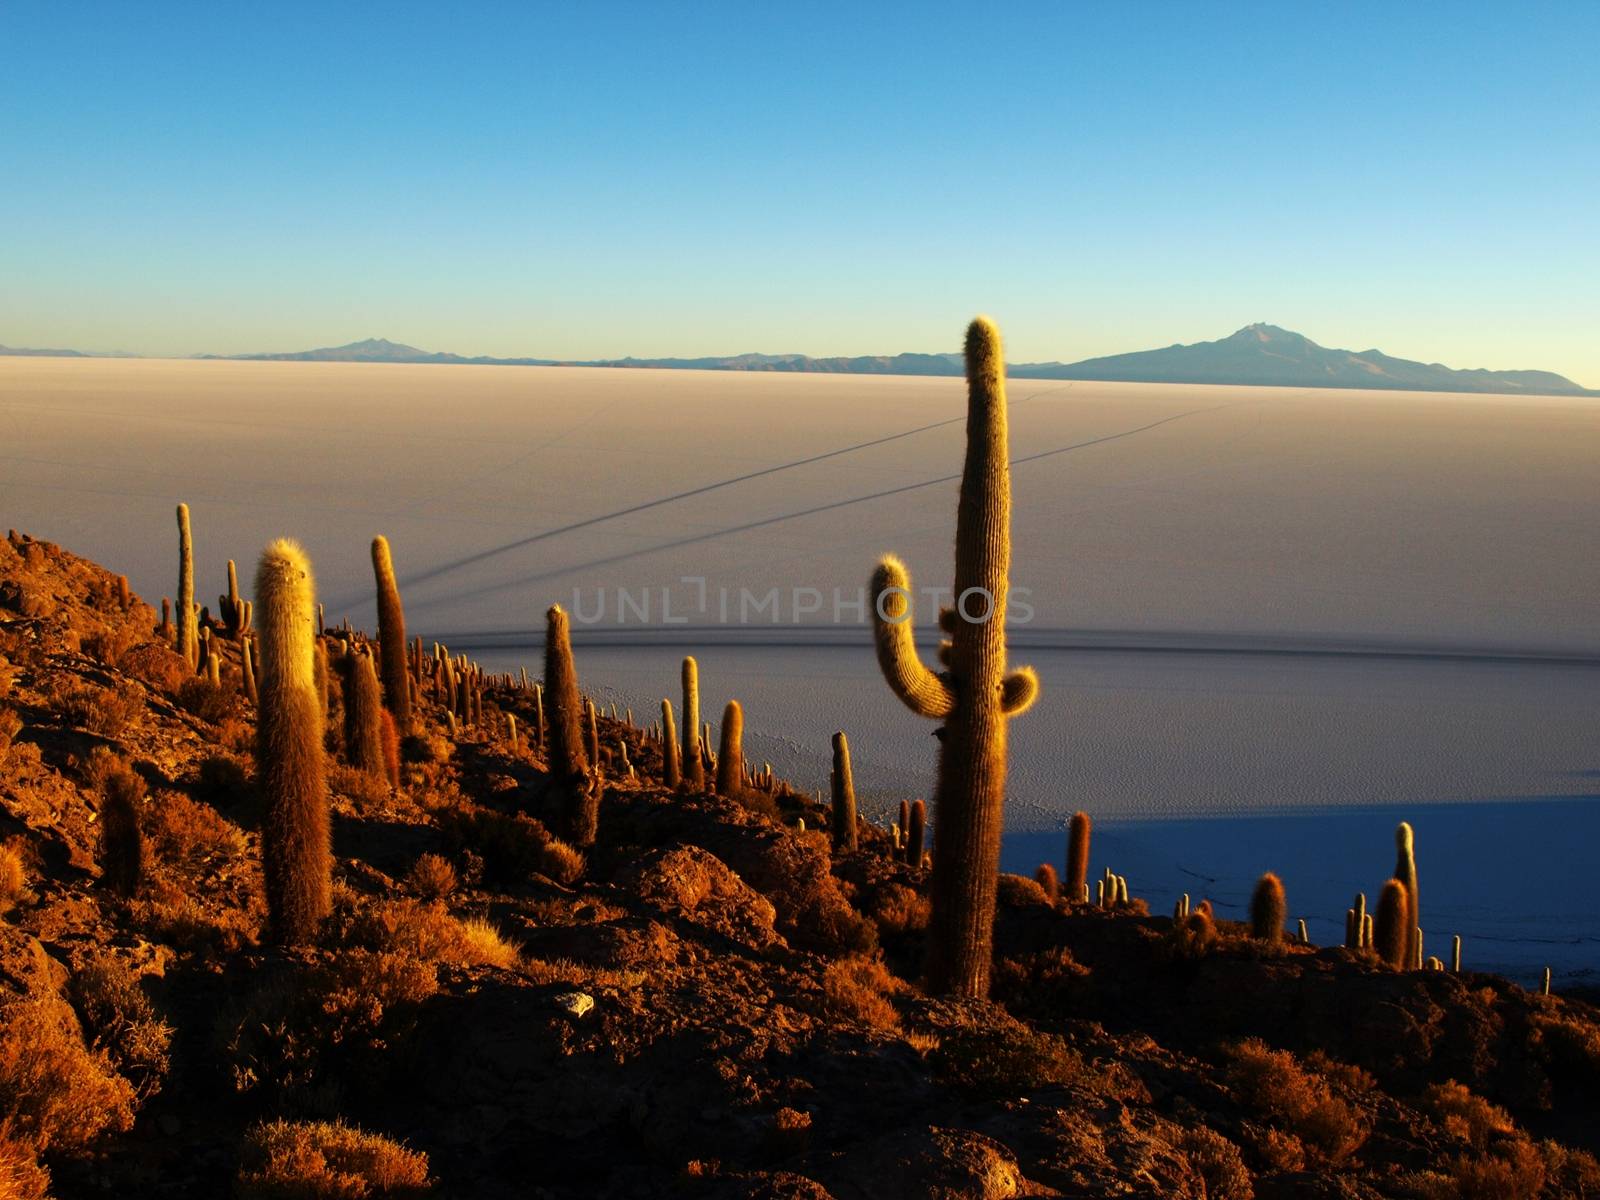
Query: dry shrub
<point x="185" y="831"/>
<point x="1281" y="1151"/>
<point x="1272" y="1084"/>
<point x="55" y="1093"/>
<point x="429" y="932"/>
<point x="1347" y="1075"/>
<point x="104" y="711"/>
<point x="560" y="862"/>
<point x="12" y="879"/>
<point x="319" y="1160"/>
<point x="203" y="699"/>
<point x="1217" y="1161"/>
<point x="858" y="989"/>
<point x="900" y="909"/>
<point x="1570" y="1172"/>
<point x="789" y="1133"/>
<point x="546" y="971"/>
<point x="511" y="844"/>
<point x="100" y="765"/>
<point x="171" y="915"/>
<point x="1514" y="1170"/>
<point x="109" y="646"/>
<point x="222" y="779"/>
<point x="121" y="1022"/>
<point x="997" y="1062"/>
<point x="156" y="666"/>
<point x="21" y="1175"/>
<point x="10" y="726"/>
<point x="368" y="792"/>
<point x="1465" y="1116"/>
<point x="431" y="877"/>
<point x="1039" y="982"/>
<point x="122" y="842"/>
<point x="1018" y="891"/>
<point x="1190" y="939"/>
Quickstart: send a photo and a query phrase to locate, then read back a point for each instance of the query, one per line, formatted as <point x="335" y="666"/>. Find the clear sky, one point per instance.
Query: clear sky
<point x="598" y="179"/>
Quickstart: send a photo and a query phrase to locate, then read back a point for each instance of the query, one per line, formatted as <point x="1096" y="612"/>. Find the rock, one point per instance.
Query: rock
<point x="691" y="882"/>
<point x="575" y="1004"/>
<point x="930" y="1164"/>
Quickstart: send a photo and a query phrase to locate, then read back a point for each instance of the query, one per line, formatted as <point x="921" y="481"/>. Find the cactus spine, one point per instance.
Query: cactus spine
<point x="1405" y="871"/>
<point x="296" y="836"/>
<point x="694" y="777"/>
<point x="1268" y="909"/>
<point x="576" y="786"/>
<point x="391" y="637"/>
<point x="671" y="771"/>
<point x="1078" y="831"/>
<point x="730" y="755"/>
<point x="844" y="796"/>
<point x="363" y="716"/>
<point x="188" y="638"/>
<point x="1392" y="926"/>
<point x="975" y="696"/>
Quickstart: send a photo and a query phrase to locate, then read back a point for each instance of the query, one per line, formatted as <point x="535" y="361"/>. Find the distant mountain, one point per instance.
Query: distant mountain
<point x="18" y="352"/>
<point x="874" y="364"/>
<point x="381" y="350"/>
<point x="1267" y="356"/>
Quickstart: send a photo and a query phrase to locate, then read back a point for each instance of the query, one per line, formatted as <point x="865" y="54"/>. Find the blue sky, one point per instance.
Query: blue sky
<point x="677" y="178"/>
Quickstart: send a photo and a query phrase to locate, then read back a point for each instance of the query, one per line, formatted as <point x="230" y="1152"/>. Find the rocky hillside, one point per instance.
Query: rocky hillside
<point x="708" y="1002"/>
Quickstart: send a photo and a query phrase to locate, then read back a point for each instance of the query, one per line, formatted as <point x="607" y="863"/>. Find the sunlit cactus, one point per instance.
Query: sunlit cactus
<point x="1405" y="871"/>
<point x="730" y="756"/>
<point x="1048" y="881"/>
<point x="916" y="827"/>
<point x="363" y="716"/>
<point x="671" y="768"/>
<point x="1078" y="832"/>
<point x="391" y="636"/>
<point x="188" y="643"/>
<point x="694" y="777"/>
<point x="575" y="785"/>
<point x="296" y="837"/>
<point x="1392" y="927"/>
<point x="843" y="783"/>
<point x="1268" y="909"/>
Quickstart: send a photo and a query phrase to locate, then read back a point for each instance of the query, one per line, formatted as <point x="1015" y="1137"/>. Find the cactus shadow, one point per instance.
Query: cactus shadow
<point x="385" y="845"/>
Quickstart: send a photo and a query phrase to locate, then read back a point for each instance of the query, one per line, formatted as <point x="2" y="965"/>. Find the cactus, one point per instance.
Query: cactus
<point x="1305" y="938"/>
<point x="296" y="836"/>
<point x="391" y="636"/>
<point x="1544" y="989"/>
<point x="1268" y="909"/>
<point x="1405" y="871"/>
<point x="235" y="612"/>
<point x="730" y="756"/>
<point x="1391" y="927"/>
<point x="1048" y="881"/>
<point x="844" y="796"/>
<point x="124" y="597"/>
<point x="1365" y="936"/>
<point x="573" y="778"/>
<point x="247" y="669"/>
<point x="671" y="771"/>
<point x="591" y="731"/>
<point x="188" y="644"/>
<point x="1455" y="954"/>
<point x="915" y="828"/>
<point x="1358" y="922"/>
<point x="694" y="777"/>
<point x="363" y="720"/>
<point x="165" y="628"/>
<point x="903" y="825"/>
<point x="122" y="845"/>
<point x="1078" y="831"/>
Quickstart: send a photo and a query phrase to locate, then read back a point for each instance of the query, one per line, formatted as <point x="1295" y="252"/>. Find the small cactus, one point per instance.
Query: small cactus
<point x="1268" y="909"/>
<point x="844" y="797"/>
<point x="671" y="769"/>
<point x="1544" y="989"/>
<point x="1405" y="871"/>
<point x="591" y="728"/>
<point x="296" y="837"/>
<point x="391" y="636"/>
<point x="122" y="845"/>
<point x="730" y="756"/>
<point x="1078" y="831"/>
<point x="1455" y="954"/>
<point x="247" y="669"/>
<point x="363" y="720"/>
<point x="694" y="778"/>
<point x="1048" y="881"/>
<point x="188" y="644"/>
<point x="1359" y="922"/>
<point x="576" y="784"/>
<point x="915" y="828"/>
<point x="1305" y="938"/>
<point x="1391" y="926"/>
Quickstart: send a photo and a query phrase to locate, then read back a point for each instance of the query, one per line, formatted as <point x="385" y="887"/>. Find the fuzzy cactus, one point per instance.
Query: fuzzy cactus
<point x="1358" y="921"/>
<point x="1268" y="909"/>
<point x="234" y="610"/>
<point x="844" y="796"/>
<point x="974" y="696"/>
<point x="391" y="636"/>
<point x="1392" y="927"/>
<point x="296" y="838"/>
<point x="363" y="715"/>
<point x="591" y="731"/>
<point x="1078" y="831"/>
<point x="730" y="755"/>
<point x="188" y="644"/>
<point x="575" y="783"/>
<point x="694" y="777"/>
<point x="1049" y="883"/>
<point x="671" y="768"/>
<point x="1405" y="870"/>
<point x="916" y="827"/>
<point x="247" y="669"/>
<point x="1455" y="954"/>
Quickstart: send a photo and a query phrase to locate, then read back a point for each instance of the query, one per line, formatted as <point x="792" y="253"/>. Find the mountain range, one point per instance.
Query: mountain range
<point x="1258" y="355"/>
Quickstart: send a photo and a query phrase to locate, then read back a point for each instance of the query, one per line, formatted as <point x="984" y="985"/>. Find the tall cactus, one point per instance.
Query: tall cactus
<point x="1078" y="831"/>
<point x="730" y="757"/>
<point x="1268" y="909"/>
<point x="391" y="637"/>
<point x="234" y="611"/>
<point x="363" y="716"/>
<point x="694" y="772"/>
<point x="915" y="825"/>
<point x="1405" y="870"/>
<point x="844" y="797"/>
<point x="1390" y="934"/>
<point x="576" y="786"/>
<point x="188" y="637"/>
<point x="671" y="771"/>
<point x="974" y="696"/>
<point x="296" y="837"/>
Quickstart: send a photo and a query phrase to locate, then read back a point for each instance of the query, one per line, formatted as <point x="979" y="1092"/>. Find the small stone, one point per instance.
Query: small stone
<point x="575" y="1004"/>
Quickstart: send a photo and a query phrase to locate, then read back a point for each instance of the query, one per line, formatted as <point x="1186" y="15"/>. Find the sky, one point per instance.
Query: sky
<point x="600" y="179"/>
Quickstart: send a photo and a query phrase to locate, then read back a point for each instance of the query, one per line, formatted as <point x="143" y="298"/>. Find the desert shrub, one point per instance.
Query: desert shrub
<point x="185" y="831"/>
<point x="120" y="1021"/>
<point x="1346" y="1075"/>
<point x="105" y="711"/>
<point x="367" y="791"/>
<point x="155" y="666"/>
<point x="429" y="932"/>
<point x="171" y="915"/>
<point x="560" y="862"/>
<point x="859" y="990"/>
<point x="431" y="877"/>
<point x="222" y="779"/>
<point x="1191" y="938"/>
<point x="1018" y="891"/>
<point x="1465" y="1116"/>
<point x="1040" y="982"/>
<point x="510" y="844"/>
<point x="1005" y="1062"/>
<point x="1272" y="1084"/>
<point x="899" y="909"/>
<point x="1279" y="1149"/>
<point x="54" y="1091"/>
<point x="284" y="1160"/>
<point x="10" y="726"/>
<point x="201" y="698"/>
<point x="21" y="1175"/>
<point x="1218" y="1162"/>
<point x="122" y="842"/>
<point x="12" y="879"/>
<point x="1514" y="1170"/>
<point x="1570" y="1172"/>
<point x="108" y="647"/>
<point x="99" y="766"/>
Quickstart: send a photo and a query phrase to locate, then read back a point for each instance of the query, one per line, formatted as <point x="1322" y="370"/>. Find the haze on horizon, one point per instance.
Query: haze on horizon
<point x="631" y="180"/>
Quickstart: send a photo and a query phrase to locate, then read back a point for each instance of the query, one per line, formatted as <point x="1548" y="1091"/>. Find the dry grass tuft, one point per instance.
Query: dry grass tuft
<point x="21" y="1176"/>
<point x="1218" y="1162"/>
<point x="185" y="831"/>
<point x="432" y="877"/>
<point x="56" y="1092"/>
<point x="121" y="1022"/>
<point x="12" y="879"/>
<point x="429" y="932"/>
<point x="901" y="910"/>
<point x="560" y="862"/>
<point x="320" y="1160"/>
<point x="858" y="989"/>
<point x="1273" y="1084"/>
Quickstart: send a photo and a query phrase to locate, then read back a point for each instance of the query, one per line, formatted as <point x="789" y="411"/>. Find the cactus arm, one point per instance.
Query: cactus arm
<point x="921" y="690"/>
<point x="1018" y="691"/>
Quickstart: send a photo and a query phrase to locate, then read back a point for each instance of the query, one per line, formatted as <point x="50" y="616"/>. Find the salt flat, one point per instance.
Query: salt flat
<point x="1243" y="600"/>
